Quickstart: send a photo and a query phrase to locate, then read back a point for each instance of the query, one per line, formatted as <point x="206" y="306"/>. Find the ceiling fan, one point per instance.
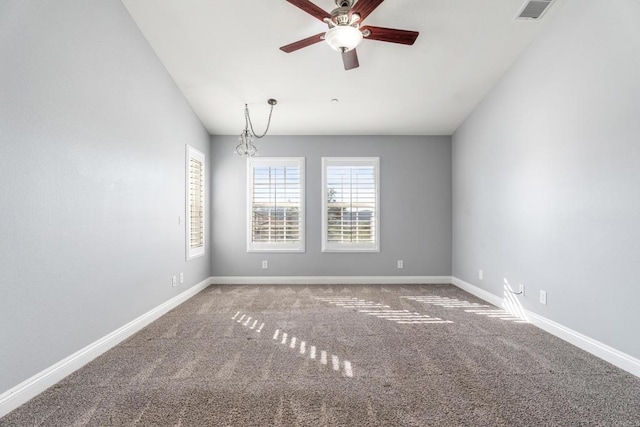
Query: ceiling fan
<point x="344" y="32"/>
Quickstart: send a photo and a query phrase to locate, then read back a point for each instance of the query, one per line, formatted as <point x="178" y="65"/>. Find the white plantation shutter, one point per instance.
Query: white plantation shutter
<point x="195" y="203"/>
<point x="350" y="204"/>
<point x="275" y="204"/>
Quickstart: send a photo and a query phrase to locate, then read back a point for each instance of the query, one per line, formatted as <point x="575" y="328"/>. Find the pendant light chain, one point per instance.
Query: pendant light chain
<point x="248" y="119"/>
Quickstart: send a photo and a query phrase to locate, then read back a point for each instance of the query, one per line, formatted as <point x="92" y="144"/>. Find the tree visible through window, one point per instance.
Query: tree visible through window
<point x="350" y="207"/>
<point x="276" y="204"/>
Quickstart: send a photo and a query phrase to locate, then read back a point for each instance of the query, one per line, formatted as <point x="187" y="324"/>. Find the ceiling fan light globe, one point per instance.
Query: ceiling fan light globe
<point x="343" y="38"/>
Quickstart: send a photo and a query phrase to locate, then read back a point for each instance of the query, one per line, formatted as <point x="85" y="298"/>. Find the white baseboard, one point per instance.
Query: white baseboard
<point x="480" y="293"/>
<point x="603" y="351"/>
<point x="329" y="280"/>
<point x="35" y="385"/>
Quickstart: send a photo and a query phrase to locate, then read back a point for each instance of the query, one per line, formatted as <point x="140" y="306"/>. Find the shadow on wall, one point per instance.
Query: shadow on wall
<point x="510" y="301"/>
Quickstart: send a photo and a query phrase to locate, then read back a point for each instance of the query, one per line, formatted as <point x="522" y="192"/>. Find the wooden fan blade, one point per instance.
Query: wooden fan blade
<point x="311" y="9"/>
<point x="350" y="59"/>
<point x="390" y="35"/>
<point x="365" y="7"/>
<point x="302" y="43"/>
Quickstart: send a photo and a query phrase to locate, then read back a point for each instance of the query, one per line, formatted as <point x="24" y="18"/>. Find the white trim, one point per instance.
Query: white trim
<point x="38" y="383"/>
<point x="330" y="280"/>
<point x="480" y="293"/>
<point x="192" y="153"/>
<point x="603" y="351"/>
<point x="279" y="247"/>
<point x="329" y="247"/>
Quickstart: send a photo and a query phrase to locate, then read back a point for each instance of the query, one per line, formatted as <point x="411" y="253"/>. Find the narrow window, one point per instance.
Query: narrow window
<point x="275" y="204"/>
<point x="350" y="204"/>
<point x="195" y="167"/>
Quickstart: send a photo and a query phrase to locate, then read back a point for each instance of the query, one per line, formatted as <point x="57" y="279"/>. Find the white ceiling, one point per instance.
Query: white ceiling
<point x="223" y="54"/>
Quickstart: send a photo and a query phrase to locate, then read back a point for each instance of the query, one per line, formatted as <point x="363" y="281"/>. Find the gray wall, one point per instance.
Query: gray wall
<point x="546" y="187"/>
<point x="415" y="202"/>
<point x="92" y="147"/>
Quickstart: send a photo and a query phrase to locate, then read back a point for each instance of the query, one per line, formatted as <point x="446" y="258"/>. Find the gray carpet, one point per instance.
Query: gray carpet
<point x="410" y="355"/>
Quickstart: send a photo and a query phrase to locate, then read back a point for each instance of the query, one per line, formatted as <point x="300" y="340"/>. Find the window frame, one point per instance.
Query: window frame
<point x="195" y="252"/>
<point x="349" y="246"/>
<point x="275" y="247"/>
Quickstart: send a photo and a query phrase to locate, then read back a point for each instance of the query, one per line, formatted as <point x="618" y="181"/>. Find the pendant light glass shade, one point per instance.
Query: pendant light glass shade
<point x="246" y="147"/>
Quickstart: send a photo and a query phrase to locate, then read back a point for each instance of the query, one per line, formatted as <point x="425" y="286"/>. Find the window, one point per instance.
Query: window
<point x="275" y="204"/>
<point x="350" y="206"/>
<point x="195" y="203"/>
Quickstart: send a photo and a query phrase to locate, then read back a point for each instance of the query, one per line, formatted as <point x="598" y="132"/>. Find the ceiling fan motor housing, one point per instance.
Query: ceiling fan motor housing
<point x="345" y="3"/>
<point x="340" y="16"/>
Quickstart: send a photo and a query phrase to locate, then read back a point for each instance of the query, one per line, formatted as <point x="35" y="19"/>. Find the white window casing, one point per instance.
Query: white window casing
<point x="195" y="206"/>
<point x="275" y="204"/>
<point x="350" y="204"/>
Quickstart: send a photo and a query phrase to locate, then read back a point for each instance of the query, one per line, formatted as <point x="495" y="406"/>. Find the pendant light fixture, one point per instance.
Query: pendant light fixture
<point x="246" y="148"/>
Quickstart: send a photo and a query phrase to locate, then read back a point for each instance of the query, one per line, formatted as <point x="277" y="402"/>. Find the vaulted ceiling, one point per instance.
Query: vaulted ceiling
<point x="223" y="54"/>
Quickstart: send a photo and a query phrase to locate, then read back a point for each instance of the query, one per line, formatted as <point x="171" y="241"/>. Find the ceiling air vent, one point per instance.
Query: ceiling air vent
<point x="534" y="9"/>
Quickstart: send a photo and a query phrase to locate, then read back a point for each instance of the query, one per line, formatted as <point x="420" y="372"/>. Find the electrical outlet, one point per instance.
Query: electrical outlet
<point x="265" y="264"/>
<point x="543" y="297"/>
<point x="480" y="274"/>
<point x="174" y="281"/>
<point x="400" y="263"/>
<point x="521" y="290"/>
<point x="181" y="278"/>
